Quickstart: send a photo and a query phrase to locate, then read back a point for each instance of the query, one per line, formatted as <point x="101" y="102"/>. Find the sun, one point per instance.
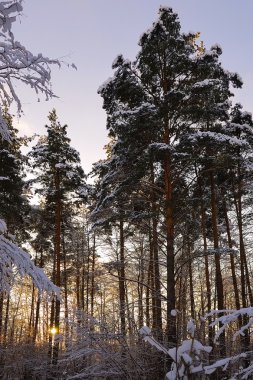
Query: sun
<point x="53" y="331"/>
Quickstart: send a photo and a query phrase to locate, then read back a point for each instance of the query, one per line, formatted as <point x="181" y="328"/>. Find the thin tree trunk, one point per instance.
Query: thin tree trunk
<point x="218" y="275"/>
<point x="36" y="324"/>
<point x="66" y="310"/>
<point x="245" y="280"/>
<point x="31" y="318"/>
<point x="140" y="287"/>
<point x="88" y="276"/>
<point x="232" y="260"/>
<point x="57" y="251"/>
<point x="151" y="277"/>
<point x="51" y="325"/>
<point x="81" y="274"/>
<point x="191" y="282"/>
<point x="207" y="275"/>
<point x="1" y="316"/>
<point x="129" y="315"/>
<point x="6" y="319"/>
<point x="157" y="325"/>
<point x="122" y="295"/>
<point x="149" y="282"/>
<point x="92" y="291"/>
<point x="169" y="219"/>
<point x="78" y="304"/>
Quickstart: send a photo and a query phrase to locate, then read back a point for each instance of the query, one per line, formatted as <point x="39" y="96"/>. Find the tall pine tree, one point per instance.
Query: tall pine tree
<point x="60" y="180"/>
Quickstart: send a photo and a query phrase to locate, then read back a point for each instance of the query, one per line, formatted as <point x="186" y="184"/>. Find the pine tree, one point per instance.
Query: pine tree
<point x="13" y="202"/>
<point x="61" y="183"/>
<point x="151" y="105"/>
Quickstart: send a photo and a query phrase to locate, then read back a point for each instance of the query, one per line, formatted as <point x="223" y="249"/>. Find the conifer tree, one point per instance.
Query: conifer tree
<point x="13" y="202"/>
<point x="154" y="102"/>
<point x="60" y="181"/>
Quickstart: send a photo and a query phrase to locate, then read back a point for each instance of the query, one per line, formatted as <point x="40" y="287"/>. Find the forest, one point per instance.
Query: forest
<point x="140" y="269"/>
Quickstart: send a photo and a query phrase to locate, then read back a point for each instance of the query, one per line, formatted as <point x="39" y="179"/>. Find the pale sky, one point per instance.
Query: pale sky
<point x="91" y="33"/>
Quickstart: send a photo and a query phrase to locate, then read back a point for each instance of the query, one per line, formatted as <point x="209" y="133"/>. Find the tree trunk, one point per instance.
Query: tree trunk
<point x="6" y="320"/>
<point x="207" y="275"/>
<point x="149" y="282"/>
<point x="245" y="280"/>
<point x="151" y="277"/>
<point x="169" y="219"/>
<point x="191" y="285"/>
<point x="232" y="260"/>
<point x="66" y="310"/>
<point x="92" y="290"/>
<point x="218" y="275"/>
<point x="88" y="276"/>
<point x="31" y="318"/>
<point x="122" y="295"/>
<point x="57" y="252"/>
<point x="157" y="323"/>
<point x="36" y="323"/>
<point x="1" y="316"/>
<point x="140" y="286"/>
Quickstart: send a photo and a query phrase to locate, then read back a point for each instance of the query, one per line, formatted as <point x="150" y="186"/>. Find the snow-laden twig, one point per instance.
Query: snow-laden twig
<point x="226" y="317"/>
<point x="14" y="260"/>
<point x="19" y="64"/>
<point x="186" y="357"/>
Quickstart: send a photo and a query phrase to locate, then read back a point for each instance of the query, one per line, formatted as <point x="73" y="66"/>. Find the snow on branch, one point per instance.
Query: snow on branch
<point x="229" y="316"/>
<point x="216" y="137"/>
<point x="190" y="356"/>
<point x="14" y="260"/>
<point x="18" y="63"/>
<point x="186" y="357"/>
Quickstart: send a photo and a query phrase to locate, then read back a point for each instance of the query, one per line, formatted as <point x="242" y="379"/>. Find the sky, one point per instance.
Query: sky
<point x="91" y="33"/>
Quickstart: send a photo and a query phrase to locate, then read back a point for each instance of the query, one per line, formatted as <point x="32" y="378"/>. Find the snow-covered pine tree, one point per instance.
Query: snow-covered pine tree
<point x="209" y="141"/>
<point x="151" y="104"/>
<point x="60" y="180"/>
<point x="13" y="203"/>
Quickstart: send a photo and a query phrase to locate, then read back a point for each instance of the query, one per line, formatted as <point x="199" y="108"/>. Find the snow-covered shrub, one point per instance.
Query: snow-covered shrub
<point x="191" y="357"/>
<point x="187" y="357"/>
<point x="94" y="352"/>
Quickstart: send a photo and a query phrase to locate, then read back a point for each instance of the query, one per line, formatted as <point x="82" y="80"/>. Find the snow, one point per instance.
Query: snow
<point x="222" y="363"/>
<point x="104" y="85"/>
<point x="229" y="316"/>
<point x="60" y="166"/>
<point x="218" y="137"/>
<point x="207" y="82"/>
<point x="18" y="63"/>
<point x="13" y="259"/>
<point x="160" y="147"/>
<point x="3" y="227"/>
<point x="216" y="46"/>
<point x="191" y="328"/>
<point x="145" y="330"/>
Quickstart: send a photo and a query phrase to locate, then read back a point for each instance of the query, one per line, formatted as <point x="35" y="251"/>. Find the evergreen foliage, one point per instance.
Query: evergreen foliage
<point x="13" y="202"/>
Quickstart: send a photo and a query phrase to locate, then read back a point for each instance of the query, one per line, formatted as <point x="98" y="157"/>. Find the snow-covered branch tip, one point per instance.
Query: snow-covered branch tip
<point x="14" y="260"/>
